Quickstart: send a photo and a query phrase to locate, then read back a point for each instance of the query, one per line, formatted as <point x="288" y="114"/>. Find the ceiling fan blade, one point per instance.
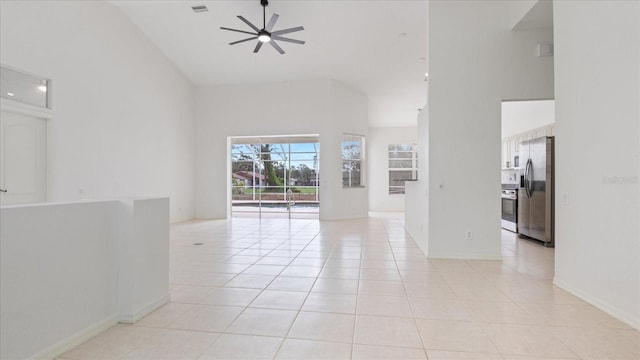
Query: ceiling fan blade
<point x="272" y="22"/>
<point x="275" y="46"/>
<point x="286" y="31"/>
<point x="240" y="31"/>
<point x="248" y="23"/>
<point x="258" y="46"/>
<point x="288" y="40"/>
<point x="243" y="40"/>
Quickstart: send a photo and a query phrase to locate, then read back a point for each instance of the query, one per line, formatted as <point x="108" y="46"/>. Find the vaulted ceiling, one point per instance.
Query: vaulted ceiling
<point x="378" y="47"/>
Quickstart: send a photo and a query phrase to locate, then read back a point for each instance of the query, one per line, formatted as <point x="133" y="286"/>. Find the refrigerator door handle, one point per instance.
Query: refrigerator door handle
<point x="524" y="183"/>
<point x="529" y="178"/>
<point x="526" y="178"/>
<point x="530" y="182"/>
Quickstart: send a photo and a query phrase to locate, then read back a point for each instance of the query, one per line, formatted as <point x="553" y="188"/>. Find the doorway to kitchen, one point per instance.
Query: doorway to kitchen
<point x="275" y="176"/>
<point x="528" y="136"/>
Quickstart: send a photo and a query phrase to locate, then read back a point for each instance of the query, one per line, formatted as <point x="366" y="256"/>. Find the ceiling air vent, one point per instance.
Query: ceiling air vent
<point x="199" y="8"/>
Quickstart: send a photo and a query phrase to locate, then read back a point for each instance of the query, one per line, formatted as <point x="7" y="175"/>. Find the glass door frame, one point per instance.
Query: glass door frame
<point x="251" y="149"/>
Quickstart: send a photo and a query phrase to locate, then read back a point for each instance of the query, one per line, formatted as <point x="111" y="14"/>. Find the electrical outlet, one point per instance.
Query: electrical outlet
<point x="468" y="235"/>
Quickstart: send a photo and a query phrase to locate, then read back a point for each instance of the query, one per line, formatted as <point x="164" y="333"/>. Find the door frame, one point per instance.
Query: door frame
<point x="230" y="140"/>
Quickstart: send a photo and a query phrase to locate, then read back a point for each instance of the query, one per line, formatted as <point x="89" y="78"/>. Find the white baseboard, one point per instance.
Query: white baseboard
<point x="144" y="310"/>
<point x="617" y="313"/>
<point x="457" y="256"/>
<point x="76" y="339"/>
<point x="61" y="347"/>
<point x="411" y="234"/>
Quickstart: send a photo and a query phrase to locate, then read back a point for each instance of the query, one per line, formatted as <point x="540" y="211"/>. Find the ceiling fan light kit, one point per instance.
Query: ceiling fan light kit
<point x="266" y="35"/>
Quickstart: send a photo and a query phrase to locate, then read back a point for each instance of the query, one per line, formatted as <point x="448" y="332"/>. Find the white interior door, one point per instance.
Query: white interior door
<point x="23" y="159"/>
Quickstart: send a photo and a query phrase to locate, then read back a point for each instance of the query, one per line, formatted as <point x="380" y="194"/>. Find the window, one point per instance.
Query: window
<point x="25" y="88"/>
<point x="275" y="174"/>
<point x="352" y="159"/>
<point x="403" y="166"/>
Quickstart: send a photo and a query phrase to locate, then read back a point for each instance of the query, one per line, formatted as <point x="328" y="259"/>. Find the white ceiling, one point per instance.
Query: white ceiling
<point x="356" y="42"/>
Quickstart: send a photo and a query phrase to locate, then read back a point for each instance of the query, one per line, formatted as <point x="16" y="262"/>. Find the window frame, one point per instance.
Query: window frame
<point x="360" y="160"/>
<point x="392" y="149"/>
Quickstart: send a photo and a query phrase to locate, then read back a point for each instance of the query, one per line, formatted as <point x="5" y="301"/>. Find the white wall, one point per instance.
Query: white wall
<point x="123" y="122"/>
<point x="518" y="10"/>
<point x="55" y="282"/>
<point x="237" y="110"/>
<point x="417" y="197"/>
<point x="60" y="281"/>
<point x="348" y="114"/>
<point x="143" y="257"/>
<point x="322" y="107"/>
<point x="522" y="116"/>
<point x="475" y="62"/>
<point x="378" y="149"/>
<point x="597" y="161"/>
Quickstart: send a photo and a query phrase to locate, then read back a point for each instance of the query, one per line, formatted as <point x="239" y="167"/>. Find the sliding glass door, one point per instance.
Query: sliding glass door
<point x="275" y="176"/>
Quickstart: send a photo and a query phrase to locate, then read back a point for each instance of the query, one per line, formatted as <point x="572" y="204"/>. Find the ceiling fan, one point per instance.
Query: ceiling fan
<point x="265" y="35"/>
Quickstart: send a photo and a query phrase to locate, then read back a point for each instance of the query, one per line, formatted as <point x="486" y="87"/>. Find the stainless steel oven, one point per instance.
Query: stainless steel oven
<point x="510" y="209"/>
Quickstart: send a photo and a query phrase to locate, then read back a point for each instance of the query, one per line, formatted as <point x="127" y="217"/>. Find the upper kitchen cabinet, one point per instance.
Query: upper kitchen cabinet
<point x="521" y="121"/>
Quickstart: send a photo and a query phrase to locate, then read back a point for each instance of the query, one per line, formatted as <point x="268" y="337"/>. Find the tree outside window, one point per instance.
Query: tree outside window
<point x="352" y="159"/>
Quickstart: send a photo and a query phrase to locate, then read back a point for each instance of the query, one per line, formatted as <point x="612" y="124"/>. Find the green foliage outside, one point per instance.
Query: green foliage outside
<point x="273" y="172"/>
<point x="238" y="187"/>
<point x="273" y="180"/>
<point x="270" y="190"/>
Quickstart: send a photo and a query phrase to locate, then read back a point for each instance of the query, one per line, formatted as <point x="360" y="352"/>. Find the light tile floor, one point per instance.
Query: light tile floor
<point x="304" y="289"/>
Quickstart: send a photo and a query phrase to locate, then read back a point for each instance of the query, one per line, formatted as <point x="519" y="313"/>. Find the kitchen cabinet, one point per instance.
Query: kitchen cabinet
<point x="511" y="145"/>
<point x="514" y="148"/>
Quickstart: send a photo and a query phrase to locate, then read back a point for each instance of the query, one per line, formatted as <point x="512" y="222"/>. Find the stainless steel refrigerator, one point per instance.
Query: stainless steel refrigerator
<point x="535" y="195"/>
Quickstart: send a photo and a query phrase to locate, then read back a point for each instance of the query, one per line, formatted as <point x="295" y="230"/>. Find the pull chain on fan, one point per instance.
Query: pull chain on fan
<point x="265" y="35"/>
